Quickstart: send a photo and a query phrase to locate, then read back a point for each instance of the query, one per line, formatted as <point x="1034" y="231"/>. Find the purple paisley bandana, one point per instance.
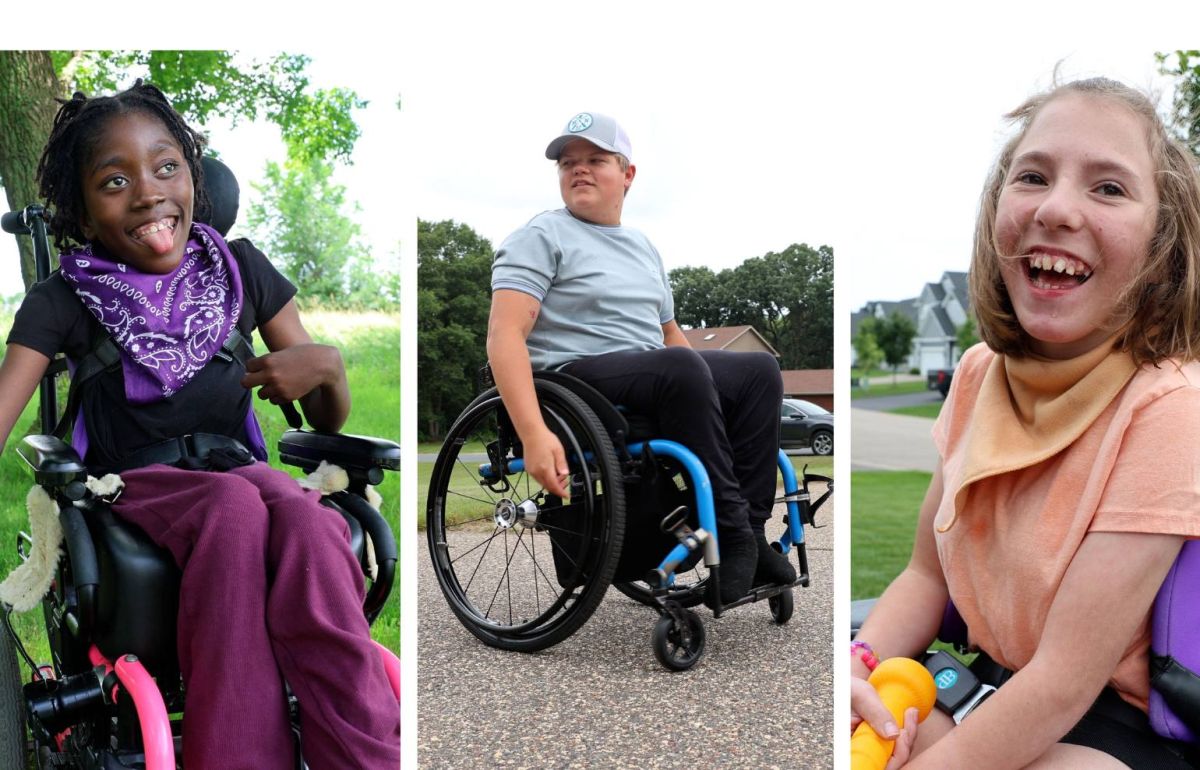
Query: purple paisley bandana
<point x="167" y="326"/>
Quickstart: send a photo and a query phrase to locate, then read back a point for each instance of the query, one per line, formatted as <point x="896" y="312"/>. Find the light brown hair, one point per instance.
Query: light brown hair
<point x="1163" y="300"/>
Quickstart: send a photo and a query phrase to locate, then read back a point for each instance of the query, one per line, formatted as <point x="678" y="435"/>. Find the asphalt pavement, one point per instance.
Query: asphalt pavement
<point x="885" y="403"/>
<point x="885" y="441"/>
<point x="761" y="697"/>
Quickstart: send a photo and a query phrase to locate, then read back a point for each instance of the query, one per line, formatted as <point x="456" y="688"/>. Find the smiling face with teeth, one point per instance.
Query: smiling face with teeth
<point x="1074" y="221"/>
<point x="137" y="193"/>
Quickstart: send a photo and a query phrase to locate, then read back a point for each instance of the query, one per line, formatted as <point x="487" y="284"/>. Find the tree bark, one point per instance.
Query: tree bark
<point x="28" y="87"/>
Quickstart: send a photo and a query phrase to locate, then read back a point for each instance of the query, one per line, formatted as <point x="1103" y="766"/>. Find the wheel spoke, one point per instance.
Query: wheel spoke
<point x="537" y="569"/>
<point x="488" y="544"/>
<point x="489" y="517"/>
<point x="474" y="475"/>
<point x="478" y="545"/>
<point x="468" y="497"/>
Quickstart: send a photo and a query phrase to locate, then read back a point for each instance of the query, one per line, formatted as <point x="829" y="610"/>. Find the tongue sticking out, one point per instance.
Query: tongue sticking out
<point x="161" y="240"/>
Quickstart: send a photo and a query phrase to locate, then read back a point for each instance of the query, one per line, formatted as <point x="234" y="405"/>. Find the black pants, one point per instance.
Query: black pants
<point x="721" y="405"/>
<point x="1123" y="731"/>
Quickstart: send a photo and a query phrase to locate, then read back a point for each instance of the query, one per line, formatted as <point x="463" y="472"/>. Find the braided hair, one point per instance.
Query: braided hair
<point x="77" y="129"/>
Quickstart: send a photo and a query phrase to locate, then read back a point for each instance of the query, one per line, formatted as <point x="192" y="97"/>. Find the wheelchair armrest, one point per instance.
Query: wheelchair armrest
<point x="859" y="609"/>
<point x="54" y="462"/>
<point x="362" y="454"/>
<point x="384" y="542"/>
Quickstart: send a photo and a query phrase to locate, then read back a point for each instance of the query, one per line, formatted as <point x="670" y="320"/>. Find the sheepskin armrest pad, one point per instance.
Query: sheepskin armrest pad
<point x="54" y="462"/>
<point x="306" y="449"/>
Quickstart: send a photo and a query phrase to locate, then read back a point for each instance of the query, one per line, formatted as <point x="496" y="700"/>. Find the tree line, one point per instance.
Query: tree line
<point x="786" y="296"/>
<point x="299" y="218"/>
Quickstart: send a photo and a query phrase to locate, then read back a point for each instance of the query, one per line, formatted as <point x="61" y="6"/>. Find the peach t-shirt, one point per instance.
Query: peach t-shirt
<point x="1037" y="454"/>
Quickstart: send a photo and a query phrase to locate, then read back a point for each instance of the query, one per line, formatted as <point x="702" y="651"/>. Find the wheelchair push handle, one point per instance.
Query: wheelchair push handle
<point x="14" y="223"/>
<point x="901" y="684"/>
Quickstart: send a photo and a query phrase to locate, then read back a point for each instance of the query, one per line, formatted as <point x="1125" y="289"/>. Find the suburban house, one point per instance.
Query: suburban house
<point x="937" y="312"/>
<point x="815" y="385"/>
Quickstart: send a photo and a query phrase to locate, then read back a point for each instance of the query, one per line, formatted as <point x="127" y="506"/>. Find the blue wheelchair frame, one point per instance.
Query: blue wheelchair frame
<point x="595" y="459"/>
<point x="799" y="513"/>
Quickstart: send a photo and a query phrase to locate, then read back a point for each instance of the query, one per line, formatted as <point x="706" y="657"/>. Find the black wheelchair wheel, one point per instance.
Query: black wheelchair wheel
<point x="520" y="568"/>
<point x="12" y="706"/>
<point x="678" y="646"/>
<point x="782" y="606"/>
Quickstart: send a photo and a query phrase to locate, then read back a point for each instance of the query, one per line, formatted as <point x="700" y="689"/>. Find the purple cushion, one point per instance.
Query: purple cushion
<point x="1175" y="649"/>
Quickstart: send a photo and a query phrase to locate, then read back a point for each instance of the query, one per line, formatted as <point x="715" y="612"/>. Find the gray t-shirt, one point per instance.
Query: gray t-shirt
<point x="603" y="289"/>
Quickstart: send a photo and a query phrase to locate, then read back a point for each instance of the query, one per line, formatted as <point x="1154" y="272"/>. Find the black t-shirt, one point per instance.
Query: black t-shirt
<point x="53" y="319"/>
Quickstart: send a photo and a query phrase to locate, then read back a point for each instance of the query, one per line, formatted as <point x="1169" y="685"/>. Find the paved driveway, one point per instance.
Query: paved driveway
<point x="885" y="441"/>
<point x="762" y="696"/>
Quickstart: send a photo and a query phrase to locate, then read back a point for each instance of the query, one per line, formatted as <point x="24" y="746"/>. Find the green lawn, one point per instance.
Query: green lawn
<point x="875" y="373"/>
<point x="461" y="506"/>
<point x="883" y="519"/>
<point x="370" y="344"/>
<point x="877" y="391"/>
<point x="920" y="410"/>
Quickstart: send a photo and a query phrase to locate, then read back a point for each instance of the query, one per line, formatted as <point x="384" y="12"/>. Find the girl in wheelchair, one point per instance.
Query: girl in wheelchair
<point x="576" y="291"/>
<point x="270" y="589"/>
<point x="1069" y="448"/>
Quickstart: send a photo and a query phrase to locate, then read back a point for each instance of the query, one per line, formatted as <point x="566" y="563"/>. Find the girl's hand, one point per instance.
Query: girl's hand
<point x="546" y="461"/>
<point x="902" y="749"/>
<point x="292" y="373"/>
<point x="865" y="704"/>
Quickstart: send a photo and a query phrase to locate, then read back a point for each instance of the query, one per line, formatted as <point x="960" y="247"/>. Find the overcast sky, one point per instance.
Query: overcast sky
<point x="754" y="130"/>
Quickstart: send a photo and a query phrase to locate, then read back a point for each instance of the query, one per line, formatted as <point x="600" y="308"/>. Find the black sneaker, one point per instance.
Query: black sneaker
<point x="773" y="567"/>
<point x="738" y="562"/>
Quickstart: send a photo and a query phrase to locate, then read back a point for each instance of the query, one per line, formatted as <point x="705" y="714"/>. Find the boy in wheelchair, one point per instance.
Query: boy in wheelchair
<point x="575" y="291"/>
<point x="267" y="571"/>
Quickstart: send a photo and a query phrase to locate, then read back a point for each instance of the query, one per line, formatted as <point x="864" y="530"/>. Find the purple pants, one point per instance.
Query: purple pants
<point x="270" y="591"/>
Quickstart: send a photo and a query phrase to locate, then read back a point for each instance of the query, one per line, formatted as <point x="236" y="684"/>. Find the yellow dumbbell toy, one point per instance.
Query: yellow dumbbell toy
<point x="901" y="684"/>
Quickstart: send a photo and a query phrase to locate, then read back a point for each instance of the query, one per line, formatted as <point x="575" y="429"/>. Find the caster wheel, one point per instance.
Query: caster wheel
<point x="679" y="648"/>
<point x="782" y="606"/>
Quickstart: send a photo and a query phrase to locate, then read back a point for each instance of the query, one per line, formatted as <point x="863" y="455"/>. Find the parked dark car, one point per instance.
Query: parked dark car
<point x="939" y="380"/>
<point x="804" y="424"/>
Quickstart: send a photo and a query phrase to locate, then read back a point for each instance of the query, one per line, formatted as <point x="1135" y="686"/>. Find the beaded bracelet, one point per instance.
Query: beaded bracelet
<point x="863" y="651"/>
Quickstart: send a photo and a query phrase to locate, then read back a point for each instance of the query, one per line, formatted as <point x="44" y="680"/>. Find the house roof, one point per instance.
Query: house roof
<point x="721" y="337"/>
<point x="959" y="281"/>
<point x="808" y="381"/>
<point x="939" y="314"/>
<point x="907" y="307"/>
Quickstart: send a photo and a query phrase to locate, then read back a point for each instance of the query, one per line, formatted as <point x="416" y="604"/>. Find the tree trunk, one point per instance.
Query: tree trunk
<point x="28" y="87"/>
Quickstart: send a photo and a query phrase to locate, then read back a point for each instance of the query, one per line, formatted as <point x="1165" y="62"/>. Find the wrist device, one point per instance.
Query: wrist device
<point x="959" y="691"/>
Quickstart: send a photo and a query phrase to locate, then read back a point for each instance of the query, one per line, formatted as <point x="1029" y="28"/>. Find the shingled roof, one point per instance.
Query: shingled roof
<point x="721" y="337"/>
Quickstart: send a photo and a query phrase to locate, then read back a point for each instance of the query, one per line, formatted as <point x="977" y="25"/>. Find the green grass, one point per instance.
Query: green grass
<point x="920" y="410"/>
<point x="870" y="373"/>
<point x="460" y="507"/>
<point x="880" y="390"/>
<point x="370" y="345"/>
<point x="883" y="517"/>
<point x="433" y="447"/>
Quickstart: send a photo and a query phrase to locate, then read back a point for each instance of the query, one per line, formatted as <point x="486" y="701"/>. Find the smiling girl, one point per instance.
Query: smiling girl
<point x="1069" y="444"/>
<point x="270" y="585"/>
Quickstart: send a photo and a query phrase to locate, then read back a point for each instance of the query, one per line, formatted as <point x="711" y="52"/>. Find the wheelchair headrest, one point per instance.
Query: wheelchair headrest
<point x="223" y="193"/>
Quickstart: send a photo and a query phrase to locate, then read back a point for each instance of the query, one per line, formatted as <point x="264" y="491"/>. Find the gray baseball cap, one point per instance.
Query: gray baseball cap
<point x="601" y="130"/>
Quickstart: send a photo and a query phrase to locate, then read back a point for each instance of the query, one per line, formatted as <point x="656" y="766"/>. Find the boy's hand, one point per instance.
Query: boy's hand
<point x="289" y="374"/>
<point x="546" y="461"/>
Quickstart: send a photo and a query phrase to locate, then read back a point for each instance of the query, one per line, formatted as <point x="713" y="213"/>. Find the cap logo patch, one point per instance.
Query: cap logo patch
<point x="581" y="122"/>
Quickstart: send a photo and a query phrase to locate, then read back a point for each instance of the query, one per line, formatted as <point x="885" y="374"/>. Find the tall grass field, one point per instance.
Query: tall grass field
<point x="370" y="346"/>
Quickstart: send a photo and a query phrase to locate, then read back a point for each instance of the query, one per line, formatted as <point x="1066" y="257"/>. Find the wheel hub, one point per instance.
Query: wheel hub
<point x="508" y="514"/>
